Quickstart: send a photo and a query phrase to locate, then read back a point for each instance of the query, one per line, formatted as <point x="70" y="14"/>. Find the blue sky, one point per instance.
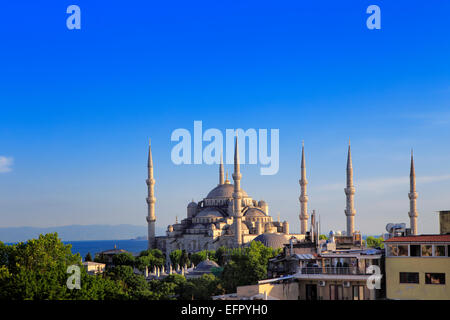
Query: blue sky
<point x="77" y="107"/>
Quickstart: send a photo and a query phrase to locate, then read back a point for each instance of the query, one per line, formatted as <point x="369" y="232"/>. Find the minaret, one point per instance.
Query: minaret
<point x="303" y="196"/>
<point x="237" y="195"/>
<point x="350" y="192"/>
<point x="221" y="181"/>
<point x="151" y="218"/>
<point x="413" y="198"/>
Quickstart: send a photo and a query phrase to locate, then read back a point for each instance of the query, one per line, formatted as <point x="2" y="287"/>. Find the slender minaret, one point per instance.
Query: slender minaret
<point x="151" y="218"/>
<point x="413" y="198"/>
<point x="237" y="195"/>
<point x="221" y="181"/>
<point x="350" y="192"/>
<point x="303" y="196"/>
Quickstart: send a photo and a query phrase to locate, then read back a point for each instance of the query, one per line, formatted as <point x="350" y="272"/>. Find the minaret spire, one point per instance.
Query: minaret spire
<point x="413" y="197"/>
<point x="237" y="195"/>
<point x="350" y="192"/>
<point x="151" y="218"/>
<point x="221" y="181"/>
<point x="303" y="196"/>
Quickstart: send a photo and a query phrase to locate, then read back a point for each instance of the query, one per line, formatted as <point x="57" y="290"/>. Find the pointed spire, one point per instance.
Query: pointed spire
<point x="150" y="159"/>
<point x="349" y="156"/>
<point x="350" y="192"/>
<point x="237" y="165"/>
<point x="221" y="170"/>
<point x="413" y="195"/>
<point x="303" y="158"/>
<point x="303" y="196"/>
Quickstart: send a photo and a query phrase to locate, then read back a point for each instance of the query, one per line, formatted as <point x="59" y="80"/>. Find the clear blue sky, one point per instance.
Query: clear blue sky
<point x="77" y="107"/>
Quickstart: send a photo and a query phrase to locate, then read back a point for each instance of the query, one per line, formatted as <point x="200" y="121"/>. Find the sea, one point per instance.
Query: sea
<point x="95" y="246"/>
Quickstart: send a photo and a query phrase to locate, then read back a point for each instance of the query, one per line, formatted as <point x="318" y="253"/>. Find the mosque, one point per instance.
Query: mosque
<point x="229" y="217"/>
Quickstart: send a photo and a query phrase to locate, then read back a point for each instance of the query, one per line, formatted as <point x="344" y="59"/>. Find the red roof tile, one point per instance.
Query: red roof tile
<point x="422" y="238"/>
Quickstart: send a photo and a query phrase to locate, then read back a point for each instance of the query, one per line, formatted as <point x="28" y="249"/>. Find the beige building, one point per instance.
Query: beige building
<point x="94" y="267"/>
<point x="418" y="266"/>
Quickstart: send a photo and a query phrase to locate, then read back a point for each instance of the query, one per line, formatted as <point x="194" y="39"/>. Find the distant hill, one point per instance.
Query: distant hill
<point x="78" y="232"/>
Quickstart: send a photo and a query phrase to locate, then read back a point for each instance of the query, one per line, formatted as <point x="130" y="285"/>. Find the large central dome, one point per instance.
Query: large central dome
<point x="224" y="191"/>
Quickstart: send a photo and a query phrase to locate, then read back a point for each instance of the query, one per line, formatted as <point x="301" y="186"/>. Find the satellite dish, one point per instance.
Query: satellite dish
<point x="389" y="227"/>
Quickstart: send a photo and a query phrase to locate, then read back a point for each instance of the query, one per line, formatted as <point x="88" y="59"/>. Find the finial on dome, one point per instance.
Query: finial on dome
<point x="226" y="180"/>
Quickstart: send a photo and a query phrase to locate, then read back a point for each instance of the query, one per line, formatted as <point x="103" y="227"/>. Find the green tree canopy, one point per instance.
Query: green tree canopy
<point x="247" y="265"/>
<point x="123" y="259"/>
<point x="372" y="242"/>
<point x="88" y="257"/>
<point x="37" y="269"/>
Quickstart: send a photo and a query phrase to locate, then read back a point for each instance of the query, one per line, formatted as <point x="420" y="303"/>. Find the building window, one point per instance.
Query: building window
<point x="427" y="250"/>
<point x="434" y="278"/>
<point x="409" y="277"/>
<point x="358" y="292"/>
<point x="439" y="251"/>
<point x="392" y="250"/>
<point x="414" y="250"/>
<point x="336" y="292"/>
<point x="402" y="250"/>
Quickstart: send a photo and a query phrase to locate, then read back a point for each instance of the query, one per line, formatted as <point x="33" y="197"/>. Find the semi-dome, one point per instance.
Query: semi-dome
<point x="254" y="212"/>
<point x="272" y="240"/>
<point x="209" y="213"/>
<point x="224" y="191"/>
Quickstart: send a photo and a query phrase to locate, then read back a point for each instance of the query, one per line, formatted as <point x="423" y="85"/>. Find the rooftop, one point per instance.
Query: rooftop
<point x="422" y="238"/>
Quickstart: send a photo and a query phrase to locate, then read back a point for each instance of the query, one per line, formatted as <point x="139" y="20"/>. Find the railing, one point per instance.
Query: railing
<point x="332" y="270"/>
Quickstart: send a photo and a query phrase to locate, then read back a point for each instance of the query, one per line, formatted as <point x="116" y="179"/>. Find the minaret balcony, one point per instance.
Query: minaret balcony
<point x="349" y="190"/>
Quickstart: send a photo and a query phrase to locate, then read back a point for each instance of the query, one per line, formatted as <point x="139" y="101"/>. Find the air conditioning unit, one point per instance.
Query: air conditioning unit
<point x="347" y="284"/>
<point x="321" y="283"/>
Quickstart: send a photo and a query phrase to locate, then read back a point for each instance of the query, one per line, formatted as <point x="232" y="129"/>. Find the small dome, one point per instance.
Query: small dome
<point x="224" y="191"/>
<point x="272" y="240"/>
<point x="206" y="266"/>
<point x="209" y="213"/>
<point x="192" y="205"/>
<point x="254" y="212"/>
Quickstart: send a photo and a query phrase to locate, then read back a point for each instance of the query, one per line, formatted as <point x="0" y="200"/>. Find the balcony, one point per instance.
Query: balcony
<point x="333" y="271"/>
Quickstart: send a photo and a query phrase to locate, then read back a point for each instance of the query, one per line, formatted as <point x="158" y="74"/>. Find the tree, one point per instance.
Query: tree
<point x="88" y="257"/>
<point x="202" y="288"/>
<point x="37" y="269"/>
<point x="200" y="256"/>
<point x="247" y="266"/>
<point x="372" y="242"/>
<point x="323" y="237"/>
<point x="123" y="259"/>
<point x="221" y="255"/>
<point x="175" y="258"/>
<point x="184" y="259"/>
